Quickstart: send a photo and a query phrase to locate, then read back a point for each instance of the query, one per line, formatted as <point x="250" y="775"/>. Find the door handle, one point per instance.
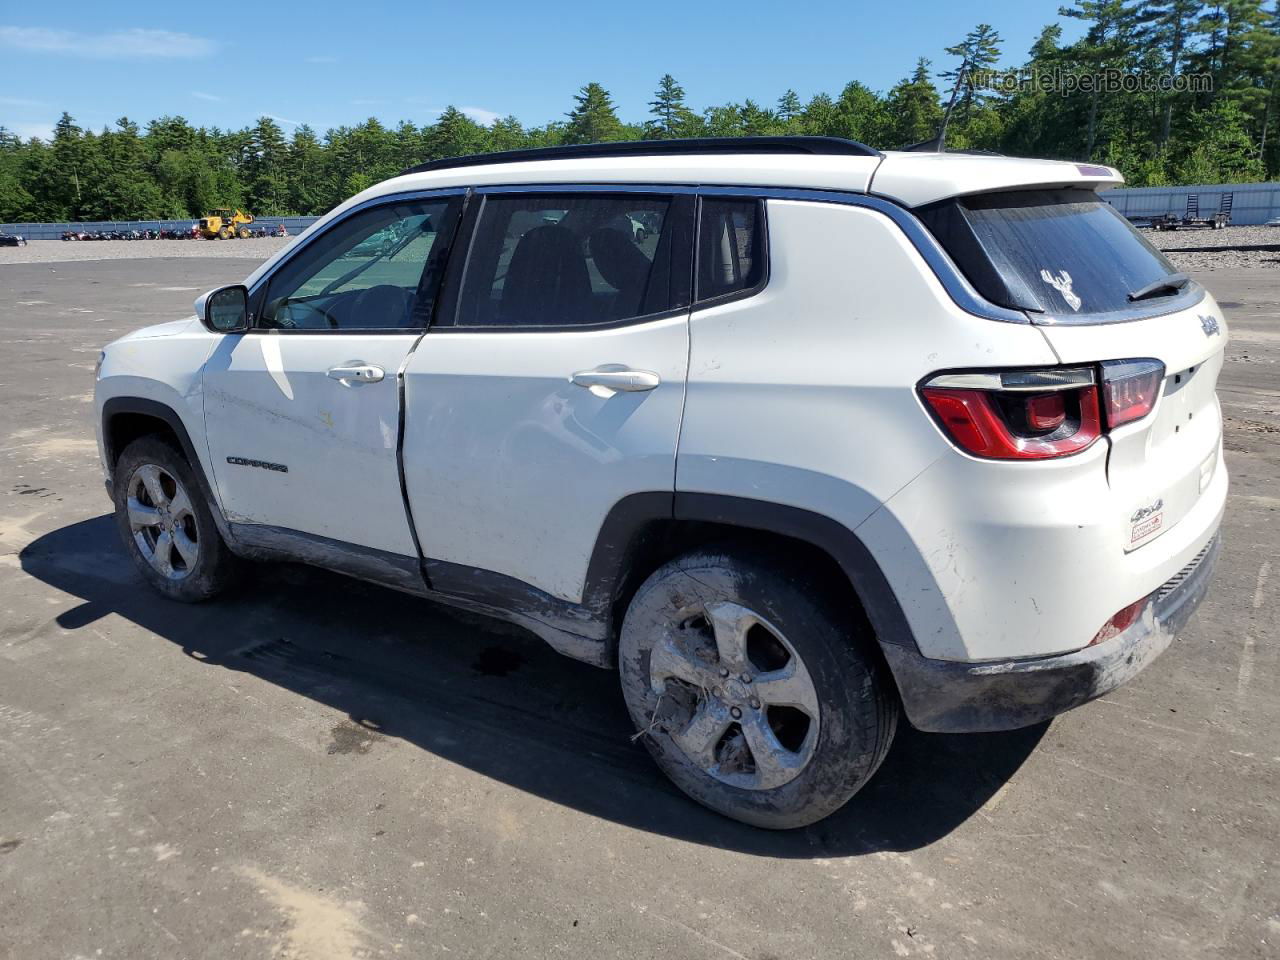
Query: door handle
<point x="356" y="372"/>
<point x="610" y="378"/>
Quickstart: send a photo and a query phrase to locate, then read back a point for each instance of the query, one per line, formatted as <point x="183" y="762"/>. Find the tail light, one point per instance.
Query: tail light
<point x="1018" y="414"/>
<point x="1041" y="414"/>
<point x="1129" y="389"/>
<point x="1121" y="621"/>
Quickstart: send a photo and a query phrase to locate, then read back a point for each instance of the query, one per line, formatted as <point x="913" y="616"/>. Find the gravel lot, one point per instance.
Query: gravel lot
<point x="1232" y="247"/>
<point x="318" y="769"/>
<point x="55" y="251"/>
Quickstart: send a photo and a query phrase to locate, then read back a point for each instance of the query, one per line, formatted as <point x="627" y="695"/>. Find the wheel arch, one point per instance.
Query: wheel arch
<point x="644" y="530"/>
<point x="125" y="419"/>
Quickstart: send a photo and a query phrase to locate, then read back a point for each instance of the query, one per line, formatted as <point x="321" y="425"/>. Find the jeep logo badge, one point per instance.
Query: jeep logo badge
<point x="1209" y="325"/>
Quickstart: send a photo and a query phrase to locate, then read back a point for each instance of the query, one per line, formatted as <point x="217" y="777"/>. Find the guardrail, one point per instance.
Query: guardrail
<point x="54" y="231"/>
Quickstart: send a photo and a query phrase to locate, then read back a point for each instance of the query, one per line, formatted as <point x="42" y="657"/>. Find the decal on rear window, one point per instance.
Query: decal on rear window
<point x="1062" y="283"/>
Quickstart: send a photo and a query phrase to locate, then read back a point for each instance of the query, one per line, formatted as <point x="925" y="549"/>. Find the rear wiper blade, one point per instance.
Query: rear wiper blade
<point x="1170" y="284"/>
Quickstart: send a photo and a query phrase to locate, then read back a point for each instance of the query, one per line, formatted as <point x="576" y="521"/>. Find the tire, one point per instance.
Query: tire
<point x="782" y="640"/>
<point x="157" y="497"/>
<point x="243" y="233"/>
<point x="225" y="233"/>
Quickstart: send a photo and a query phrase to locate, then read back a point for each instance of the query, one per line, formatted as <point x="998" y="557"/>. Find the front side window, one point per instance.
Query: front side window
<point x="377" y="270"/>
<point x="573" y="260"/>
<point x="1060" y="252"/>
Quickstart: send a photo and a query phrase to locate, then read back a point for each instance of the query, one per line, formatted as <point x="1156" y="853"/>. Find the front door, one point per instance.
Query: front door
<point x="302" y="413"/>
<point x="554" y="389"/>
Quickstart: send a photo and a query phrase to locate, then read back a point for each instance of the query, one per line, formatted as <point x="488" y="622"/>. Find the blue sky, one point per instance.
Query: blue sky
<point x="327" y="64"/>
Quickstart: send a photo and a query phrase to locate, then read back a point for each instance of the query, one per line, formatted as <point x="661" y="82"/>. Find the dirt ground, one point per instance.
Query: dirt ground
<point x="316" y="768"/>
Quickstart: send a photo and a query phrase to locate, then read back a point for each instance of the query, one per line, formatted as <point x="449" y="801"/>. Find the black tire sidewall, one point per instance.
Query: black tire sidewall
<point x="214" y="566"/>
<point x="857" y="702"/>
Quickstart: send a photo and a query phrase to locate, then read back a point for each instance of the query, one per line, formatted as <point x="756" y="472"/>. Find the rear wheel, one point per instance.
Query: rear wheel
<point x="224" y="233"/>
<point x="166" y="525"/>
<point x="755" y="696"/>
<point x="243" y="233"/>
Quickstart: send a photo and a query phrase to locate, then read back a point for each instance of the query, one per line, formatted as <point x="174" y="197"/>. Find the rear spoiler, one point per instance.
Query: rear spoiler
<point x="914" y="179"/>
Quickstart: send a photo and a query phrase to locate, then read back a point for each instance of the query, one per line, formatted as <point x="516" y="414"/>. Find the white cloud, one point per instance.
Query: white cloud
<point x="212" y="98"/>
<point x="291" y="123"/>
<point x="132" y="43"/>
<point x="481" y="115"/>
<point x="28" y="130"/>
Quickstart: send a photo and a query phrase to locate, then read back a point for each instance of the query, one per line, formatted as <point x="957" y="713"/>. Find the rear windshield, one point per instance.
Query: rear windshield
<point x="1062" y="252"/>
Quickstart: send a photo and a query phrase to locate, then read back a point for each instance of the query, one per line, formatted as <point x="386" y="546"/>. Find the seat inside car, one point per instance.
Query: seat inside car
<point x="547" y="281"/>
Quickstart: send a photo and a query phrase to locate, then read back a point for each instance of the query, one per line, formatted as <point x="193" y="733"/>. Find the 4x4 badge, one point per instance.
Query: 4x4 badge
<point x="1209" y="325"/>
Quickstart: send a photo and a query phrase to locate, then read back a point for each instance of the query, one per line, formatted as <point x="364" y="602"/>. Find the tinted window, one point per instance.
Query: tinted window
<point x="378" y="269"/>
<point x="551" y="261"/>
<point x="1055" y="251"/>
<point x="731" y="256"/>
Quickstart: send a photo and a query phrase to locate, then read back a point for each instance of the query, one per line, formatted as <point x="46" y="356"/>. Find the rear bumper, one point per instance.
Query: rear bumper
<point x="944" y="696"/>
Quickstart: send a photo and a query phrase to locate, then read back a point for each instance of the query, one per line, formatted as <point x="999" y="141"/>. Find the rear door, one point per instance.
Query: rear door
<point x="552" y="387"/>
<point x="303" y="412"/>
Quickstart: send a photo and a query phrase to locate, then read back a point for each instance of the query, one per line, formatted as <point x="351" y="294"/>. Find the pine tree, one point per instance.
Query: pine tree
<point x="593" y="120"/>
<point x="668" y="109"/>
<point x="979" y="52"/>
<point x="1105" y="46"/>
<point x="913" y="109"/>
<point x="788" y="110"/>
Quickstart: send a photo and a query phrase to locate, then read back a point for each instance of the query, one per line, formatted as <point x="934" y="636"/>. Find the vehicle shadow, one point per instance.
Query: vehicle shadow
<point x="495" y="699"/>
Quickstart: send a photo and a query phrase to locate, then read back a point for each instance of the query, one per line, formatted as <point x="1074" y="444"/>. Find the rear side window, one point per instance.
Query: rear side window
<point x="731" y="255"/>
<point x="575" y="260"/>
<point x="1061" y="252"/>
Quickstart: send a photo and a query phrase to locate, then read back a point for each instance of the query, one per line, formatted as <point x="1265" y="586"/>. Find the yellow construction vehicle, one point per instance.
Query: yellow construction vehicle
<point x="225" y="224"/>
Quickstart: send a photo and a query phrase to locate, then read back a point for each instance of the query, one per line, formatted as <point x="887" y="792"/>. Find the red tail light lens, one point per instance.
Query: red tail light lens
<point x="1018" y="415"/>
<point x="1123" y="619"/>
<point x="1129" y="389"/>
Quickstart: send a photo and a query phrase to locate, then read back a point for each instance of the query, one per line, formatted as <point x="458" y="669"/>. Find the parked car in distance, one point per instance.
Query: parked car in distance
<point x="848" y="435"/>
<point x="12" y="239"/>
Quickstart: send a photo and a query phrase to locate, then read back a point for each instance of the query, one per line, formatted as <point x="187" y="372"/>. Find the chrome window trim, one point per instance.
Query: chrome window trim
<point x="956" y="285"/>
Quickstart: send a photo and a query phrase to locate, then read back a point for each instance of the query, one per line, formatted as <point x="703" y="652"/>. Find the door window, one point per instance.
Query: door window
<point x="731" y="256"/>
<point x="570" y="261"/>
<point x="376" y="270"/>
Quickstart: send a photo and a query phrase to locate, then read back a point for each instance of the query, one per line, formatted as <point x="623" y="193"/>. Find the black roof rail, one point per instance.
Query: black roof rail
<point x="821" y="146"/>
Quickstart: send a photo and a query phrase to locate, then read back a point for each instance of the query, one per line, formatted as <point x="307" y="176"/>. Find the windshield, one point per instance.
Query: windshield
<point x="1058" y="252"/>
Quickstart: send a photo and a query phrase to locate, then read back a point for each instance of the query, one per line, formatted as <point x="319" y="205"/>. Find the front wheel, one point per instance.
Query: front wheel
<point x="166" y="525"/>
<point x="755" y="695"/>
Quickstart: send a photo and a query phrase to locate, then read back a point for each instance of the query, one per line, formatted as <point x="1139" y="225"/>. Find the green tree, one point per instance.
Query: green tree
<point x="913" y="109"/>
<point x="671" y="116"/>
<point x="593" y="119"/>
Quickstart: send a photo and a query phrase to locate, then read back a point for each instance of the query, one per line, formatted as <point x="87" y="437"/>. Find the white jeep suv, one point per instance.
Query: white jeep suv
<point x="839" y="433"/>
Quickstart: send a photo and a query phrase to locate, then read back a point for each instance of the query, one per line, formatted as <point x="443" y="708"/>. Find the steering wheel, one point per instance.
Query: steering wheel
<point x="382" y="306"/>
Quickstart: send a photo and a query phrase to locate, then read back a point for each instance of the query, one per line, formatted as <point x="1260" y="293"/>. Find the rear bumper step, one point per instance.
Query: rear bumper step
<point x="943" y="696"/>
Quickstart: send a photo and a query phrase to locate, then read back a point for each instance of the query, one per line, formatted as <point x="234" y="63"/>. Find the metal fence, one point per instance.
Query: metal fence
<point x="54" y="231"/>
<point x="1253" y="203"/>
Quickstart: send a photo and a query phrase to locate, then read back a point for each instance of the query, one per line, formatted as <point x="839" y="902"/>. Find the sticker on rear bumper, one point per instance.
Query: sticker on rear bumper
<point x="1146" y="521"/>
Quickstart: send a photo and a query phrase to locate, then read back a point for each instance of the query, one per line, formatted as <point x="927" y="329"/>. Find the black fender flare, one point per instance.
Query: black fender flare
<point x="116" y="406"/>
<point x="627" y="521"/>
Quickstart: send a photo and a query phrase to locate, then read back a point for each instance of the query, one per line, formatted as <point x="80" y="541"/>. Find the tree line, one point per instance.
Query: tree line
<point x="1168" y="91"/>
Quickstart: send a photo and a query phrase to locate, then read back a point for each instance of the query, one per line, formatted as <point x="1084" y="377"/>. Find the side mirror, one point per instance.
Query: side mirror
<point x="226" y="309"/>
